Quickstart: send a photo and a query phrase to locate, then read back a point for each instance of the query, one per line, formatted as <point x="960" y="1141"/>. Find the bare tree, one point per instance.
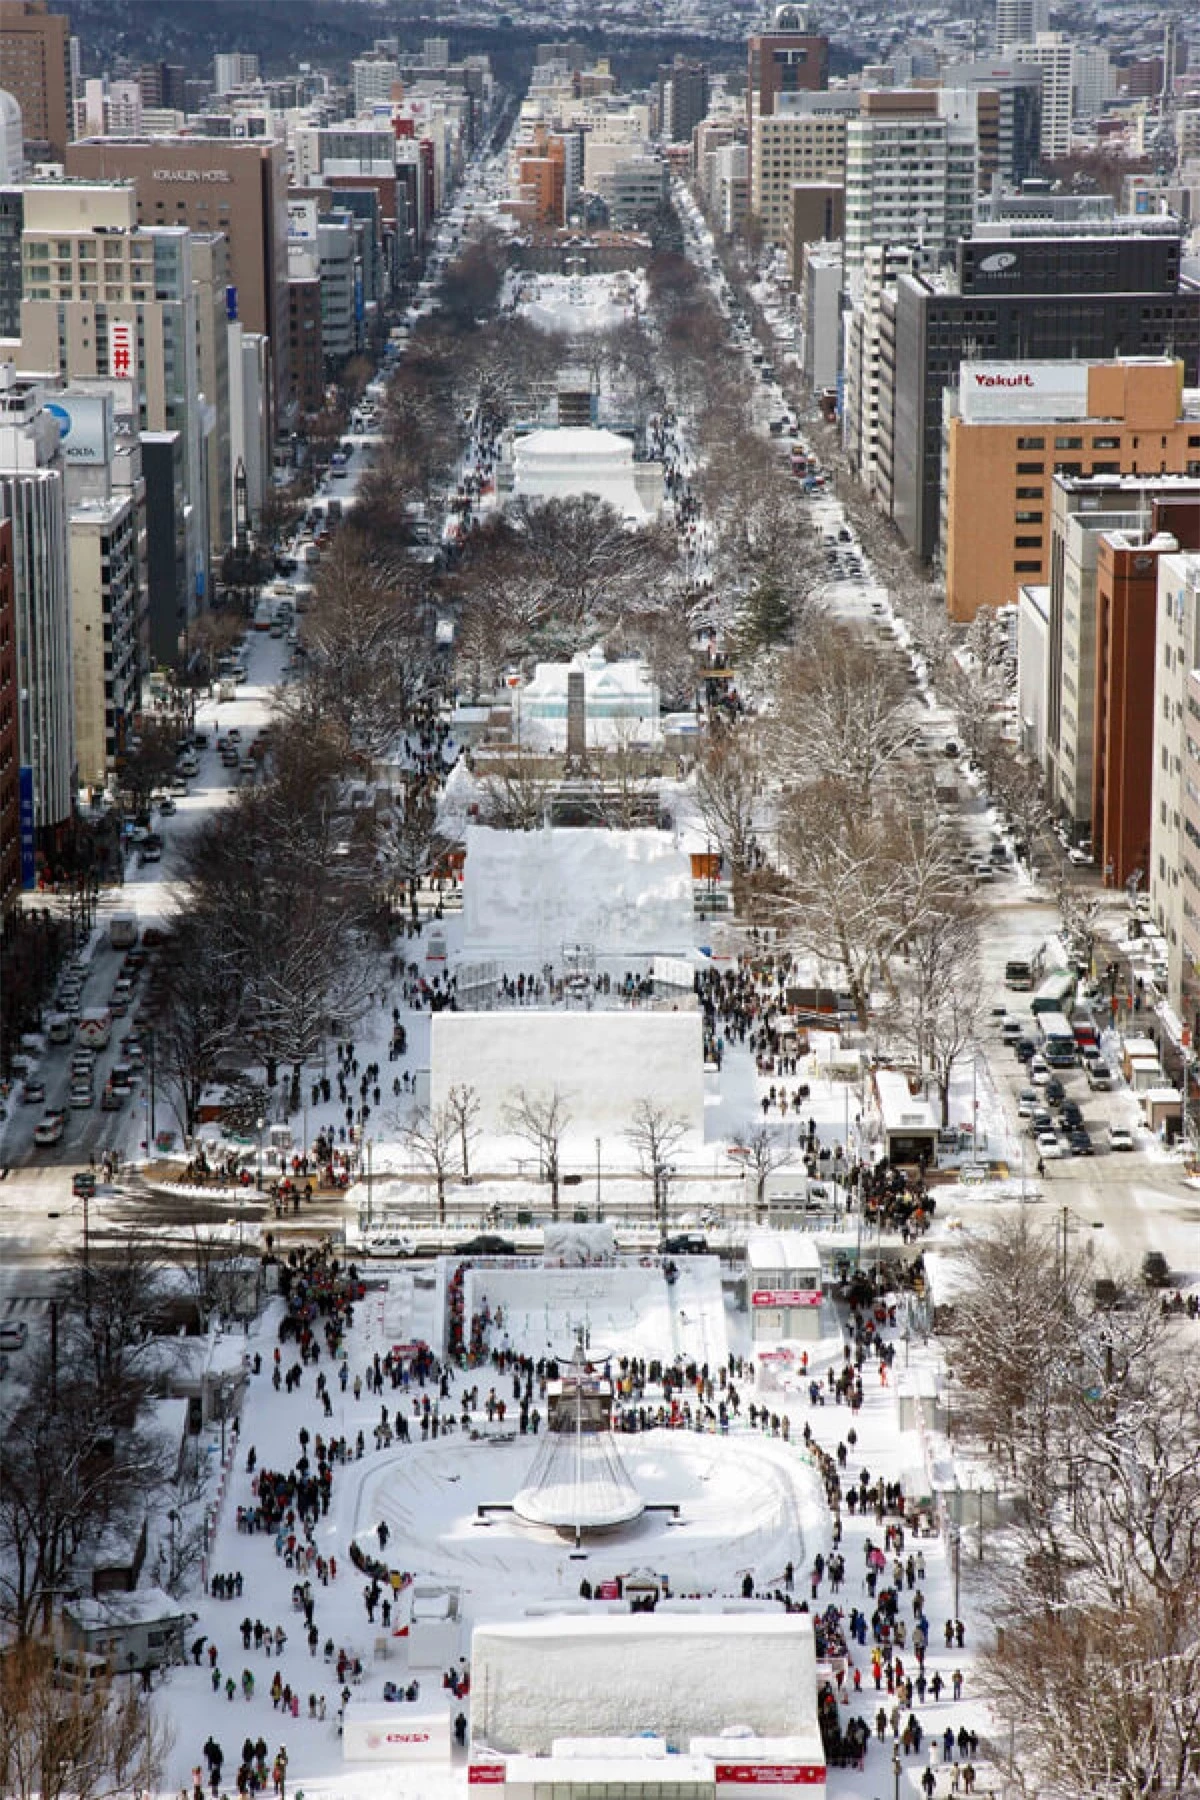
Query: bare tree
<point x="463" y="1106"/>
<point x="939" y="1003"/>
<point x="844" y="714"/>
<point x="433" y="1137"/>
<point x="656" y="1134"/>
<point x="767" y="1149"/>
<point x="85" y="1740"/>
<point x="728" y="793"/>
<point x="541" y="1119"/>
<point x="516" y="789"/>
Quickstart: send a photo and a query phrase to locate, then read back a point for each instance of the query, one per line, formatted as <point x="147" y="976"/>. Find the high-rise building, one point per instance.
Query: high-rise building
<point x="1054" y="54"/>
<point x="32" y="497"/>
<point x="1095" y="81"/>
<point x="1010" y="131"/>
<point x="802" y="140"/>
<point x="82" y="241"/>
<point x="1175" y="811"/>
<point x="1019" y="21"/>
<point x="233" y="69"/>
<point x="12" y="224"/>
<point x="1027" y="289"/>
<point x="788" y="59"/>
<point x="35" y="68"/>
<point x="238" y="187"/>
<point x="10" y="760"/>
<point x="374" y="78"/>
<point x="910" y="172"/>
<point x="683" y="92"/>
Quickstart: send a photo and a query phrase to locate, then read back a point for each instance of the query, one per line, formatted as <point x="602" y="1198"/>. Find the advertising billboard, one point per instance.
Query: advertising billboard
<point x="1000" y="391"/>
<point x="85" y="426"/>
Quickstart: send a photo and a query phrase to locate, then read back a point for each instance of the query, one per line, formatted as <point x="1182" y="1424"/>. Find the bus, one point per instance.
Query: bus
<point x="1022" y="973"/>
<point x="1058" y="1040"/>
<point x="1056" y="994"/>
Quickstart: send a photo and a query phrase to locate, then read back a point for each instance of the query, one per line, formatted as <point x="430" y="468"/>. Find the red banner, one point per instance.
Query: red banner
<point x="770" y="1774"/>
<point x="483" y="1774"/>
<point x="786" y="1297"/>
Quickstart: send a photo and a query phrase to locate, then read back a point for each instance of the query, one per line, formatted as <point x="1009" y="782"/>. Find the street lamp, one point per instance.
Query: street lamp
<point x="597" y="1180"/>
<point x="261" y="1123"/>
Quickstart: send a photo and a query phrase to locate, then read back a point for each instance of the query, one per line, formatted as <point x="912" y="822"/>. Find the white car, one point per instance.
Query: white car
<point x="1119" y="1138"/>
<point x="1028" y="1101"/>
<point x="1040" y="1071"/>
<point x="1048" y="1143"/>
<point x="48" y="1130"/>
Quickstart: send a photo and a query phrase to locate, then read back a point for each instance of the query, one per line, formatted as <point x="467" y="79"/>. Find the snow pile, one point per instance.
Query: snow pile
<point x="574" y="304"/>
<point x="529" y="893"/>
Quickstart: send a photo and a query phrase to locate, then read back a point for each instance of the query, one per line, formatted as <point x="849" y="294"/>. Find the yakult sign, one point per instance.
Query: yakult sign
<point x="995" y="392"/>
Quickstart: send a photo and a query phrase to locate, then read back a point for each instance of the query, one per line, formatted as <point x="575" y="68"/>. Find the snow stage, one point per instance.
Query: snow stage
<point x="601" y="1063"/>
<point x="624" y="1310"/>
<point x="624" y="894"/>
<point x="746" y="1504"/>
<point x="679" y="1677"/>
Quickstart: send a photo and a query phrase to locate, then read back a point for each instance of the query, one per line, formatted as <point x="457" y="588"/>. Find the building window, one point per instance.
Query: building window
<point x="1106" y="443"/>
<point x="1031" y="468"/>
<point x="1028" y="518"/>
<point x="1031" y="443"/>
<point x="1027" y="543"/>
<point x="1027" y="568"/>
<point x="1071" y="443"/>
<point x="1029" y="493"/>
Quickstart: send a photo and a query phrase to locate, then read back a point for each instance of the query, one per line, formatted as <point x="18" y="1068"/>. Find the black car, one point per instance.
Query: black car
<point x="1080" y="1142"/>
<point x="1072" y="1115"/>
<point x="1156" y="1271"/>
<point x="486" y="1243"/>
<point x="1025" y="1050"/>
<point x="1056" y="1093"/>
<point x="684" y="1243"/>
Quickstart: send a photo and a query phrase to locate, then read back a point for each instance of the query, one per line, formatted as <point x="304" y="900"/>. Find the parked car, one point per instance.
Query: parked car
<point x="1099" y="1076"/>
<point x="1120" y="1138"/>
<point x="82" y="1094"/>
<point x="13" y="1333"/>
<point x="486" y="1243"/>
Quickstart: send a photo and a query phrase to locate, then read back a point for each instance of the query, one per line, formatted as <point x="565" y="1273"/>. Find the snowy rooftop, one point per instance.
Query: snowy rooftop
<point x="793" y="1251"/>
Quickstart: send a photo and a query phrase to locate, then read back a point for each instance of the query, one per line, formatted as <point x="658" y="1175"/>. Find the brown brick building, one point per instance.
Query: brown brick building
<point x="10" y="843"/>
<point x="35" y="68"/>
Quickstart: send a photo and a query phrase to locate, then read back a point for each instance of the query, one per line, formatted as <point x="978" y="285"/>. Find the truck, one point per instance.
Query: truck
<point x="123" y="931"/>
<point x="95" y="1027"/>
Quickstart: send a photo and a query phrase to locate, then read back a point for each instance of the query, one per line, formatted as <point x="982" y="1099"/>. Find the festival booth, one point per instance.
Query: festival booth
<point x="908" y="1122"/>
<point x="783" y="1282"/>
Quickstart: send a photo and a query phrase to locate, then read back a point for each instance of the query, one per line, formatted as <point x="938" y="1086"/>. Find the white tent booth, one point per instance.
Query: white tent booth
<point x="646" y="1706"/>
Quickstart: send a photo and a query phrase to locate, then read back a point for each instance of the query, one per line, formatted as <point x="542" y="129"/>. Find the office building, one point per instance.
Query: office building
<point x="238" y="187"/>
<point x="1095" y="82"/>
<point x="1019" y="21"/>
<point x="1126" y="638"/>
<point x="10" y="758"/>
<point x="1009" y="100"/>
<point x="821" y="315"/>
<point x="32" y="498"/>
<point x="1054" y="54"/>
<point x="210" y="284"/>
<point x="306" y="345"/>
<point x="683" y="92"/>
<point x="168" y="572"/>
<point x="82" y="241"/>
<point x="374" y="79"/>
<point x="802" y="141"/>
<point x="1012" y="426"/>
<point x="233" y="69"/>
<point x="12" y="224"/>
<point x="1059" y="677"/>
<point x="1175" y="810"/>
<point x="910" y="173"/>
<point x="788" y="59"/>
<point x="1027" y="289"/>
<point x="35" y="68"/>
<point x="104" y="538"/>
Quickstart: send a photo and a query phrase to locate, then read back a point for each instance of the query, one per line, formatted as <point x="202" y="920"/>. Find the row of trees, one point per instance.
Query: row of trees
<point x="1095" y="1420"/>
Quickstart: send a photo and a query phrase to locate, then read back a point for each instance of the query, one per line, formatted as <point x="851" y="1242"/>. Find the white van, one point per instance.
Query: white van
<point x="95" y="1027"/>
<point x="58" y="1028"/>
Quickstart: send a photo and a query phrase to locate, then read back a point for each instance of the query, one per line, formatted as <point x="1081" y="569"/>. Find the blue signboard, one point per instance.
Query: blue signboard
<point x="231" y="303"/>
<point x="25" y="826"/>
